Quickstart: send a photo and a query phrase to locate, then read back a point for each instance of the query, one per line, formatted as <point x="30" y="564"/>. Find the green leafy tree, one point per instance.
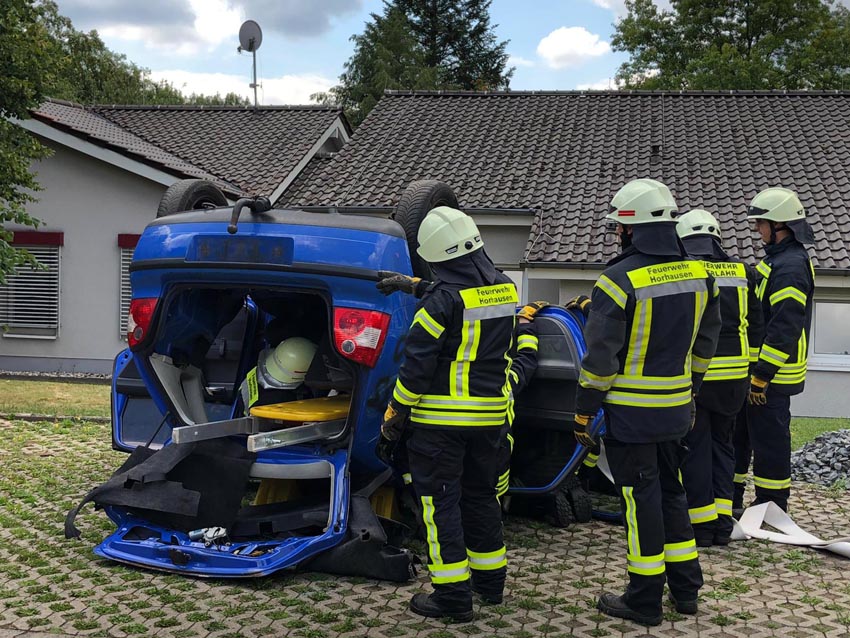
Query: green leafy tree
<point x="734" y="44"/>
<point x="421" y="45"/>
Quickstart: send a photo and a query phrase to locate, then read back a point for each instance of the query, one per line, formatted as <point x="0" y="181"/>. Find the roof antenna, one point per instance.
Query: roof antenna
<point x="250" y="39"/>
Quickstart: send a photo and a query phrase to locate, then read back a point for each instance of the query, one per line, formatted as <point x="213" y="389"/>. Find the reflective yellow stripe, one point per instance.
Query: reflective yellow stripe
<point x="772" y="355"/>
<point x="488" y="561"/>
<point x="527" y="342"/>
<point x="772" y="484"/>
<point x="743" y="322"/>
<point x="407" y="477"/>
<point x="606" y="285"/>
<point x="680" y="552"/>
<point x="403" y="395"/>
<point x="788" y="293"/>
<point x="754" y="354"/>
<point x="639" y="338"/>
<point x="646" y="565"/>
<point x="458" y="418"/>
<point x="699" y="365"/>
<point x="723" y="506"/>
<point x="514" y="376"/>
<point x="459" y="405"/>
<point x="449" y="572"/>
<point x="641" y="382"/>
<point x="702" y="514"/>
<point x="431" y="530"/>
<point x="739" y="478"/>
<point x="763" y="269"/>
<point x="632" y="533"/>
<point x="587" y="379"/>
<point x="503" y="484"/>
<point x="639" y="399"/>
<point x="726" y="374"/>
<point x="431" y="325"/>
<point x="591" y="460"/>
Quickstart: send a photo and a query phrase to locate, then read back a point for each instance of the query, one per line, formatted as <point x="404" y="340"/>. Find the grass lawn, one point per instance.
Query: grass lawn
<point x="806" y="428"/>
<point x="53" y="398"/>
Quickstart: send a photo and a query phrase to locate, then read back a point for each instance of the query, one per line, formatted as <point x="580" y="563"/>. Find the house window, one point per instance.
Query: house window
<point x="29" y="302"/>
<point x="126" y="246"/>
<point x="831" y="334"/>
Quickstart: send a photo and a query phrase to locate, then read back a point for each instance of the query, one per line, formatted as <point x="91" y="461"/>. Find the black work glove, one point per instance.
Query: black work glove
<point x="529" y="310"/>
<point x="580" y="303"/>
<point x="393" y="424"/>
<point x="758" y="391"/>
<point x="396" y="282"/>
<point x="582" y="430"/>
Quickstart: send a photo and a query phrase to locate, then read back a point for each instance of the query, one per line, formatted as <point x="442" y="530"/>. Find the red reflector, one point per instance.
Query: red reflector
<point x="359" y="334"/>
<point x="626" y="213"/>
<point x="139" y="320"/>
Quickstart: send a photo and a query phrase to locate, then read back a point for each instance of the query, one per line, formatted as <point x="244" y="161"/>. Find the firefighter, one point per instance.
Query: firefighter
<point x="709" y="465"/>
<point x="453" y="388"/>
<point x="651" y="332"/>
<point x="785" y="293"/>
<point x="279" y="374"/>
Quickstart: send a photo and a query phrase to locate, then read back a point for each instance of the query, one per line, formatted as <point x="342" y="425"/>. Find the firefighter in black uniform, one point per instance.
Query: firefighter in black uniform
<point x="785" y="291"/>
<point x="708" y="467"/>
<point x="453" y="387"/>
<point x="651" y="333"/>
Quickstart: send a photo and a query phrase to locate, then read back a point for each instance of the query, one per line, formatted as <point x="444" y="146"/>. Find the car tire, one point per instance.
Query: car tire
<point x="415" y="202"/>
<point x="562" y="510"/>
<point x="582" y="504"/>
<point x="190" y="194"/>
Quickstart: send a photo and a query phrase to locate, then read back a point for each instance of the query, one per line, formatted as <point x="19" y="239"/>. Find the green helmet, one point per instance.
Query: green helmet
<point x="776" y="205"/>
<point x="285" y="367"/>
<point x="697" y="222"/>
<point x="447" y="233"/>
<point x="642" y="201"/>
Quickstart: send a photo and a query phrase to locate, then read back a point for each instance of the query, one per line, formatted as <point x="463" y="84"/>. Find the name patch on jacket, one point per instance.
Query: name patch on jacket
<point x="666" y="273"/>
<point x="727" y="273"/>
<point x="489" y="296"/>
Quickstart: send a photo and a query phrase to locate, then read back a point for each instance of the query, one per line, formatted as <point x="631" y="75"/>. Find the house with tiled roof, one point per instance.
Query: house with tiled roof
<point x="101" y="186"/>
<point x="537" y="171"/>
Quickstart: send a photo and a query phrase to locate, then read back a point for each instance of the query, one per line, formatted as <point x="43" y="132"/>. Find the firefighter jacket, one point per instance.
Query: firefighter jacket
<point x="523" y="364"/>
<point x="651" y="333"/>
<point x="456" y="357"/>
<point x="786" y="293"/>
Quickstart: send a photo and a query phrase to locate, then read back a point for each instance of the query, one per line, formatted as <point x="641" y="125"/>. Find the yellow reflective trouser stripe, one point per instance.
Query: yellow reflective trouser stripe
<point x="632" y="533"/>
<point x="606" y="285"/>
<point x="702" y="514"/>
<point x="449" y="572"/>
<point x="699" y="365"/>
<point x="646" y="565"/>
<point x="680" y="552"/>
<point x="431" y="325"/>
<point x="431" y="530"/>
<point x="527" y="342"/>
<point x="724" y="506"/>
<point x="788" y="293"/>
<point x="591" y="460"/>
<point x="638" y="399"/>
<point x="772" y="355"/>
<point x="587" y="379"/>
<point x="487" y="561"/>
<point x="772" y="484"/>
<point x="403" y="395"/>
<point x="740" y="478"/>
<point x="639" y="339"/>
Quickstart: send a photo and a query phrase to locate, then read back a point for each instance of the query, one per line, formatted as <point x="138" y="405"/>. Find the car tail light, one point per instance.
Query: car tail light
<point x="359" y="334"/>
<point x="139" y="321"/>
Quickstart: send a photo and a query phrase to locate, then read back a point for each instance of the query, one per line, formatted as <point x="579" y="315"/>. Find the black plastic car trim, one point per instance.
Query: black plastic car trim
<point x="306" y="268"/>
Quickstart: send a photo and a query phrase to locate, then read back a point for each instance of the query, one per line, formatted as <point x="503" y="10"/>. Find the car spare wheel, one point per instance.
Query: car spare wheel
<point x="416" y="200"/>
<point x="190" y="194"/>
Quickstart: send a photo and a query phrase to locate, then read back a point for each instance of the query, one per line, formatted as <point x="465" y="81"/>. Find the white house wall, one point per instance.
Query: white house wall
<point x="91" y="202"/>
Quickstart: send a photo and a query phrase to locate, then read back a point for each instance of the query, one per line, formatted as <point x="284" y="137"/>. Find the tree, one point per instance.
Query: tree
<point x="421" y="45"/>
<point x="734" y="44"/>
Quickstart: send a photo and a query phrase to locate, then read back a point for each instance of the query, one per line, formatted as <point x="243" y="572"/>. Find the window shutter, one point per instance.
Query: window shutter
<point x="126" y="294"/>
<point x="29" y="302"/>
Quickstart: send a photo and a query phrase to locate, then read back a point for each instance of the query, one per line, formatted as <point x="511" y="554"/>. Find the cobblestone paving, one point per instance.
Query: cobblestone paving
<point x="49" y="584"/>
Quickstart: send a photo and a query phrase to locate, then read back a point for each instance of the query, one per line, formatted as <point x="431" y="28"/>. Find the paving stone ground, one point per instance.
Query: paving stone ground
<point x="52" y="585"/>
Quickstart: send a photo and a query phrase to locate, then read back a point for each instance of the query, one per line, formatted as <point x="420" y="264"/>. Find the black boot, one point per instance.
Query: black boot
<point x="612" y="605"/>
<point x="487" y="598"/>
<point x="688" y="607"/>
<point x="704" y="534"/>
<point x="423" y="605"/>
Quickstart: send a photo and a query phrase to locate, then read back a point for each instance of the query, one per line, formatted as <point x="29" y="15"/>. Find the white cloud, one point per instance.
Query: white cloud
<point x="516" y="60"/>
<point x="601" y="85"/>
<point x="286" y="89"/>
<point x="618" y="7"/>
<point x="570" y="46"/>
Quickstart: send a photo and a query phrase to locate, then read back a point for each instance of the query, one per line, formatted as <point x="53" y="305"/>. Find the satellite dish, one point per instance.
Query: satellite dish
<point x="250" y="36"/>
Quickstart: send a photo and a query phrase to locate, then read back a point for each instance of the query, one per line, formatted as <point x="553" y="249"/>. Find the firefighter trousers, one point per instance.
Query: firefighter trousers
<point x="770" y="437"/>
<point x="658" y="532"/>
<point x="506" y="448"/>
<point x="454" y="472"/>
<point x="743" y="457"/>
<point x="707" y="473"/>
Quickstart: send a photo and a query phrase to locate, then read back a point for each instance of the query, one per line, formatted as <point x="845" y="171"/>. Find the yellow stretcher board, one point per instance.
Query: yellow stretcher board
<point x="321" y="409"/>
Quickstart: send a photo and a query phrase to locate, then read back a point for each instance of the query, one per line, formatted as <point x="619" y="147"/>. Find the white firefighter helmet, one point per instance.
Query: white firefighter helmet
<point x="776" y="205"/>
<point x="447" y="233"/>
<point x="642" y="201"/>
<point x="697" y="222"/>
<point x="285" y="366"/>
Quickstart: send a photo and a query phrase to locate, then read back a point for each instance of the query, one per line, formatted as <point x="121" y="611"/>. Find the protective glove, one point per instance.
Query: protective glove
<point x="396" y="282"/>
<point x="580" y="303"/>
<point x="530" y="310"/>
<point x="393" y="424"/>
<point x="758" y="391"/>
<point x="582" y="428"/>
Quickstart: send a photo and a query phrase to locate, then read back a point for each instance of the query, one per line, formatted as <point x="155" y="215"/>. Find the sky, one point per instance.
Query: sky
<point x="554" y="44"/>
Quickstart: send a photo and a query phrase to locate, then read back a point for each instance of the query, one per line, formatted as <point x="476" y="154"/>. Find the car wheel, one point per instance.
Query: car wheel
<point x="582" y="504"/>
<point x="190" y="194"/>
<point x="415" y="202"/>
<point x="562" y="510"/>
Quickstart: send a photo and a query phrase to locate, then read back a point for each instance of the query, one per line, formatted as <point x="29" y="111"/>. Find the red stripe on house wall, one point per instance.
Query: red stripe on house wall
<point x="36" y="238"/>
<point x="127" y="241"/>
